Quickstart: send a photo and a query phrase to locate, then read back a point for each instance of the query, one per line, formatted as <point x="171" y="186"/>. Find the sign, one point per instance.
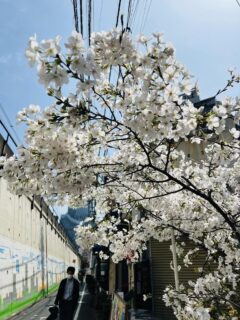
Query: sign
<point x="119" y="308"/>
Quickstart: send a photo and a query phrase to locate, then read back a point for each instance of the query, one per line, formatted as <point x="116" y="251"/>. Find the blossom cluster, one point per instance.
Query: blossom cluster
<point x="129" y="135"/>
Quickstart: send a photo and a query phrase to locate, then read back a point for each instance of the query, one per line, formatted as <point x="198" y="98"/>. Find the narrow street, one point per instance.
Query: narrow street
<point x="39" y="311"/>
<point x="84" y="310"/>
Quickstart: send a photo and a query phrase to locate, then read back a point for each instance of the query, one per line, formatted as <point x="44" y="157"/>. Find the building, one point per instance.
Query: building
<point x="153" y="273"/>
<point x="71" y="220"/>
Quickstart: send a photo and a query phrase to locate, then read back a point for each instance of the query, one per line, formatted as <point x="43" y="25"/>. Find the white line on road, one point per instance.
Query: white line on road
<point x="80" y="303"/>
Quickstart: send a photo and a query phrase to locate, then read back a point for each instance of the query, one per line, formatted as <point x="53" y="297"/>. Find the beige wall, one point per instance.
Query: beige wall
<point x="34" y="251"/>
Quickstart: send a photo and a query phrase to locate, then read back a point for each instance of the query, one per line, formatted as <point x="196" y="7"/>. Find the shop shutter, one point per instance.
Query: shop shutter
<point x="162" y="274"/>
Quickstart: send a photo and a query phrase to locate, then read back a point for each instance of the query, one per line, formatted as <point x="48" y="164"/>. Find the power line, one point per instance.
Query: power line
<point x="143" y="16"/>
<point x="81" y="16"/>
<point x="118" y="12"/>
<point x="146" y="13"/>
<point x="10" y="124"/>
<point x="93" y="15"/>
<point x="75" y="12"/>
<point x="89" y="21"/>
<point x="134" y="13"/>
<point x="129" y="13"/>
<point x="238" y="2"/>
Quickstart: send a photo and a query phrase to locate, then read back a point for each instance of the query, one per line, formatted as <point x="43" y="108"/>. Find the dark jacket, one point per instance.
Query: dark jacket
<point x="75" y="295"/>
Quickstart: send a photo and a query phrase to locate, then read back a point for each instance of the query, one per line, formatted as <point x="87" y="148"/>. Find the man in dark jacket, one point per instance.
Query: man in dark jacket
<point x="68" y="295"/>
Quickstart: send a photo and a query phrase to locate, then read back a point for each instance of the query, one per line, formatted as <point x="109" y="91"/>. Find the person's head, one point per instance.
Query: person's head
<point x="70" y="272"/>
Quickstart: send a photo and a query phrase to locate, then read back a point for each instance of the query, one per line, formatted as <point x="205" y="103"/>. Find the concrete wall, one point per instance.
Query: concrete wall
<point x="34" y="251"/>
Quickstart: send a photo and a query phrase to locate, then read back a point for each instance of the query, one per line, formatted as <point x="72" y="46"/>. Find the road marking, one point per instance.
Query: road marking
<point x="80" y="302"/>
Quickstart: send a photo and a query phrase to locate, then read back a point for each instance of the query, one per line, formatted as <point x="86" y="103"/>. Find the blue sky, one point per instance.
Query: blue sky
<point x="205" y="34"/>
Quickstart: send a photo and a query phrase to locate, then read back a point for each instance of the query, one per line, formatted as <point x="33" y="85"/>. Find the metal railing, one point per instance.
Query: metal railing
<point x="6" y="140"/>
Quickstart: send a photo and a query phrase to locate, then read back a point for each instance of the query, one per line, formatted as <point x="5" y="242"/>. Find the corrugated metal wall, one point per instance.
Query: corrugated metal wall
<point x="162" y="274"/>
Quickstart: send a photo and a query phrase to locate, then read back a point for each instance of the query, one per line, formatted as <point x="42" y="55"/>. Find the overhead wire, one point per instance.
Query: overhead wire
<point x="143" y="16"/>
<point x="89" y="21"/>
<point x="134" y="11"/>
<point x="135" y="15"/>
<point x="238" y="2"/>
<point x="75" y="12"/>
<point x="129" y="13"/>
<point x="93" y="15"/>
<point x="146" y="16"/>
<point x="10" y="124"/>
<point x="81" y="16"/>
<point x="118" y="12"/>
<point x="86" y="14"/>
<point x="110" y="71"/>
<point x="116" y="25"/>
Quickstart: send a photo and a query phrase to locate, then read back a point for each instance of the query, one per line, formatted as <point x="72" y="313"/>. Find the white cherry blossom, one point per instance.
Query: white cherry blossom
<point x="137" y="144"/>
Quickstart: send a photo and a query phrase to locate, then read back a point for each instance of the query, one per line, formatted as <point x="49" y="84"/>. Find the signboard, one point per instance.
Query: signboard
<point x="119" y="308"/>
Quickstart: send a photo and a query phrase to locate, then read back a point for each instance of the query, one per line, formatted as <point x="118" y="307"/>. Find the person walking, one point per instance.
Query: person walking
<point x="68" y="295"/>
<point x="80" y="277"/>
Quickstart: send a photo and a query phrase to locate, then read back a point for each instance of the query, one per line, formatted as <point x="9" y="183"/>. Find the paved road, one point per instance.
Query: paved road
<point x="85" y="311"/>
<point x="39" y="311"/>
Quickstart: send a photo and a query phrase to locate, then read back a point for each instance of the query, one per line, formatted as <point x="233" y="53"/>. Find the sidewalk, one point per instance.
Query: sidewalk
<point x="85" y="311"/>
<point x="141" y="314"/>
<point x="37" y="311"/>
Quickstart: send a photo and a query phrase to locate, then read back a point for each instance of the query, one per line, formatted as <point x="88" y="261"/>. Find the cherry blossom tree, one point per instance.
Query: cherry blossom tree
<point x="123" y="130"/>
